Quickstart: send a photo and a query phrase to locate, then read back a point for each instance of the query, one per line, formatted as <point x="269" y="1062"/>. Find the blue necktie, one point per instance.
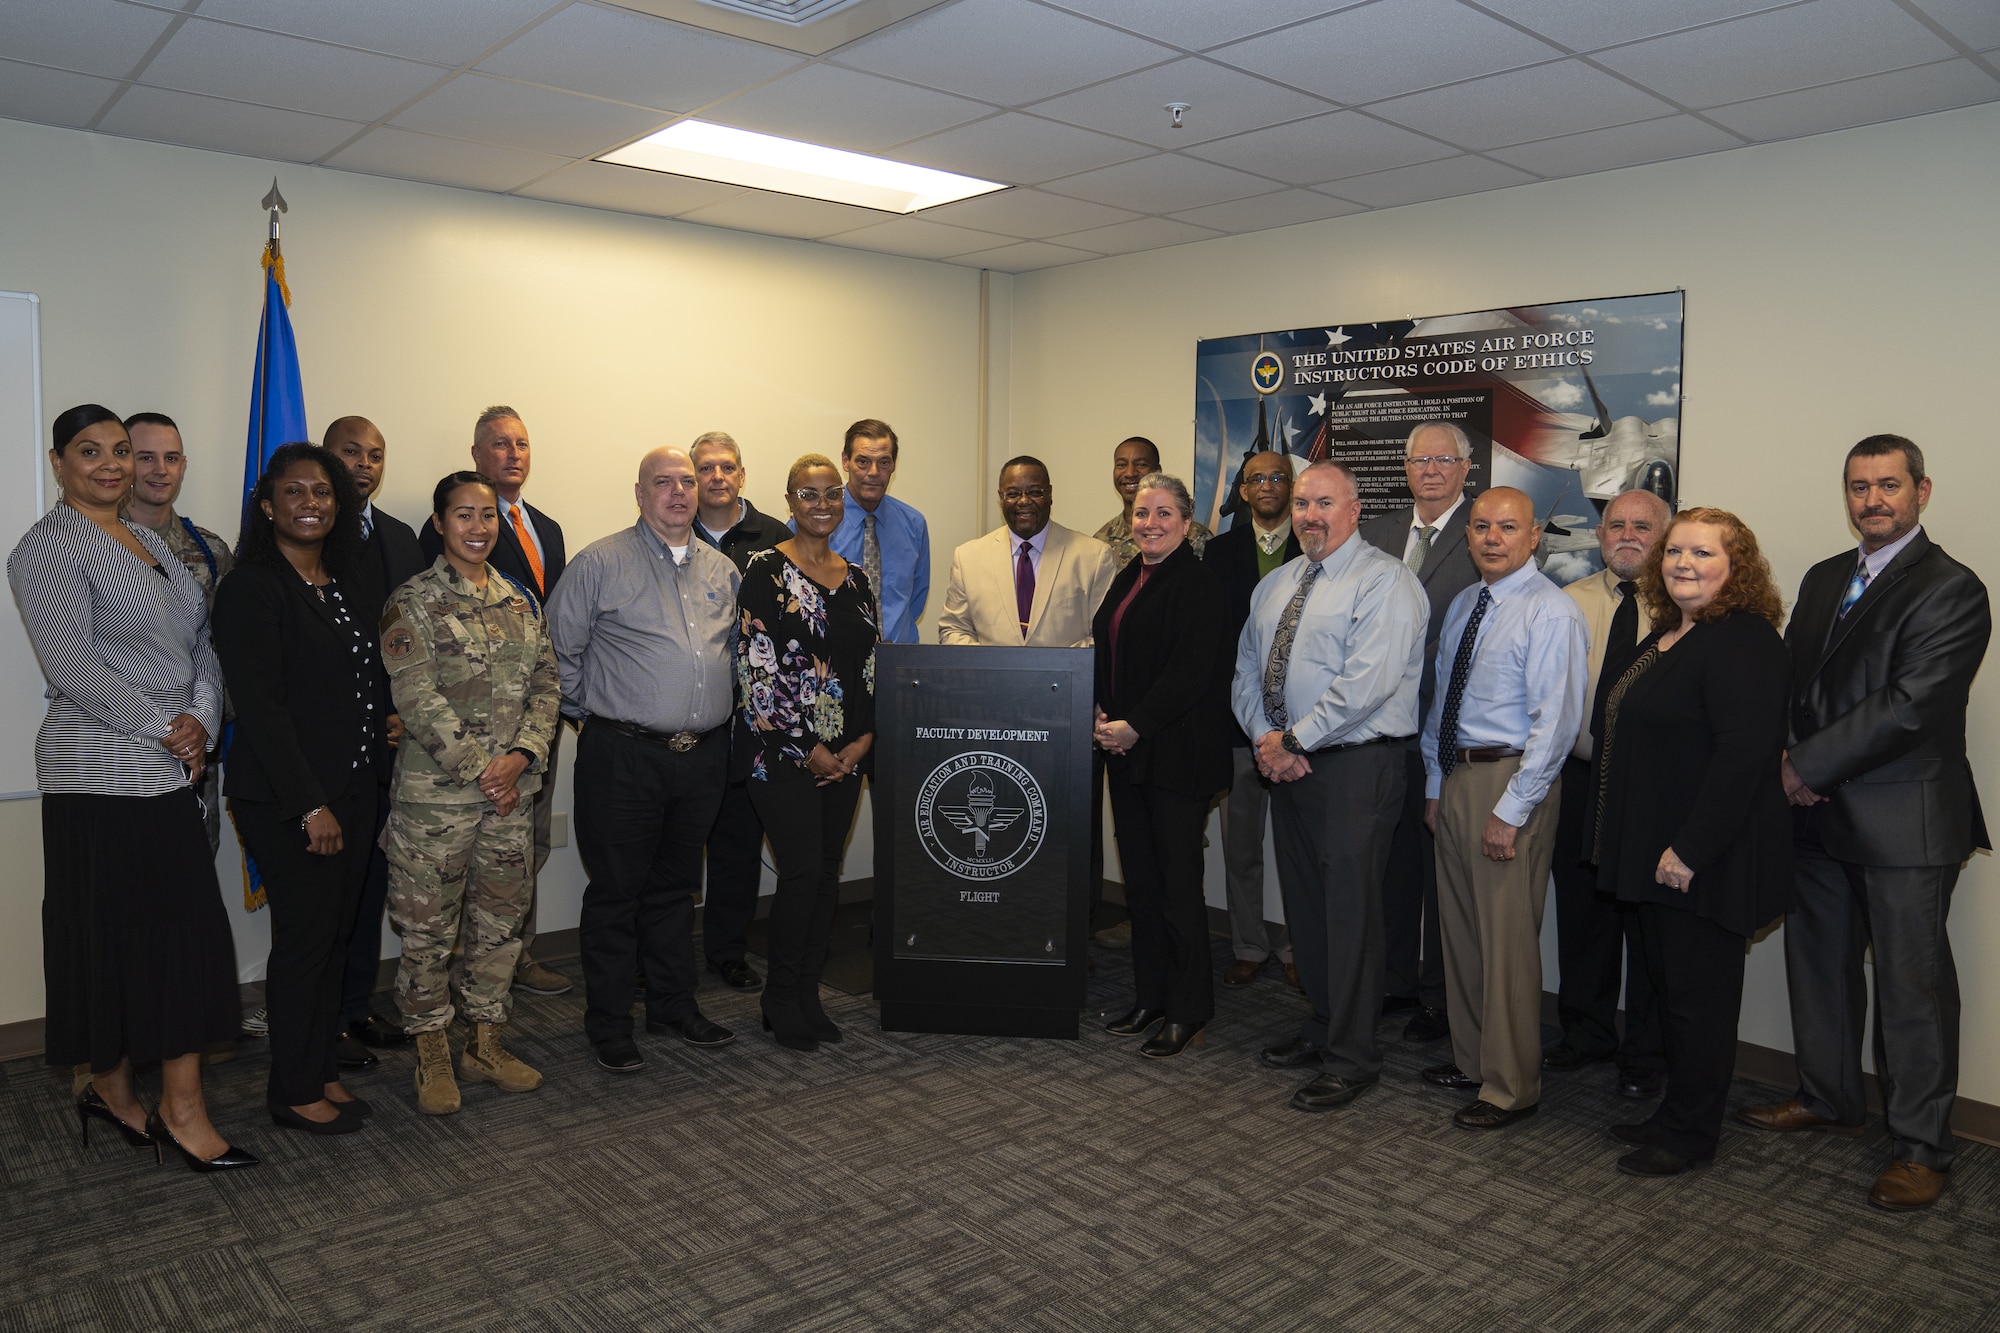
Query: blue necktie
<point x="1855" y="587"/>
<point x="1461" y="669"/>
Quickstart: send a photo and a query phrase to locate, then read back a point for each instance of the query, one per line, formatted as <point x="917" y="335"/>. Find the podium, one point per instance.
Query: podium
<point x="982" y="804"/>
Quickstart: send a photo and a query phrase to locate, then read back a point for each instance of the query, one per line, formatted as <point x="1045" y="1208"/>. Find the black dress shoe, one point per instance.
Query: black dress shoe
<point x="738" y="975"/>
<point x="1429" y="1025"/>
<point x="1483" y="1114"/>
<point x="284" y="1117"/>
<point x="1642" y="1086"/>
<point x="372" y="1031"/>
<point x="1655" y="1161"/>
<point x="228" y="1159"/>
<point x="1450" y="1076"/>
<point x="1132" y="1024"/>
<point x="1644" y="1134"/>
<point x="695" y="1030"/>
<point x="1290" y="1055"/>
<point x="620" y="1055"/>
<point x="349" y="1053"/>
<point x="1328" y="1092"/>
<point x="1400" y="1004"/>
<point x="1564" y="1057"/>
<point x="354" y="1106"/>
<point x="1171" y="1040"/>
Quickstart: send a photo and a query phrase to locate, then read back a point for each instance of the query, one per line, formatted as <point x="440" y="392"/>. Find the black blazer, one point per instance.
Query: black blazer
<point x="1174" y="667"/>
<point x="506" y="556"/>
<point x="290" y="671"/>
<point x="1878" y="708"/>
<point x="1233" y="557"/>
<point x="1447" y="571"/>
<point x="1692" y="764"/>
<point x="390" y="556"/>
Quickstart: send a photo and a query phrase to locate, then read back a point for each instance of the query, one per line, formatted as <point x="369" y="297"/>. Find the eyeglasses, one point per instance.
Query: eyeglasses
<point x="1266" y="478"/>
<point x="1036" y="493"/>
<point x="806" y="495"/>
<point x="1434" y="460"/>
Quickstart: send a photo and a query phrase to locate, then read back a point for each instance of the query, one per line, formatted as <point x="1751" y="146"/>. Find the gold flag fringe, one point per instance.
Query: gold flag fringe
<point x="274" y="259"/>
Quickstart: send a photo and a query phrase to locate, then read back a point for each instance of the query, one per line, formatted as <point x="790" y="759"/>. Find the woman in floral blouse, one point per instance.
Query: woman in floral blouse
<point x="805" y="672"/>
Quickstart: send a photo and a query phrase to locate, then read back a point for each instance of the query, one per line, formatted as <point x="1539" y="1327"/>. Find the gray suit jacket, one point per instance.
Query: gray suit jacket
<point x="1448" y="570"/>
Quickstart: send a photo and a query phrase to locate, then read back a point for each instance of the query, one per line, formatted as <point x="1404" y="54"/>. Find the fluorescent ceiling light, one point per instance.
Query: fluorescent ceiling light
<point x="765" y="162"/>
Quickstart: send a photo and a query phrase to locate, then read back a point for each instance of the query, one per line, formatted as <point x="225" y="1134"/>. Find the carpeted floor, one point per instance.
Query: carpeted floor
<point x="902" y="1182"/>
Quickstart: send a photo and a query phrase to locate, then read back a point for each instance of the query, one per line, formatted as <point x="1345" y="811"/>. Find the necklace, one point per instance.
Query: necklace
<point x="318" y="589"/>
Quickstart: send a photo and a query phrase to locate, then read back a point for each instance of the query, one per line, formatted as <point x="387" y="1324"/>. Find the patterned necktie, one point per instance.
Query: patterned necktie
<point x="1280" y="660"/>
<point x="871" y="565"/>
<point x="528" y="551"/>
<point x="1461" y="669"/>
<point x="1421" y="551"/>
<point x="1855" y="587"/>
<point x="1024" y="587"/>
<point x="367" y="524"/>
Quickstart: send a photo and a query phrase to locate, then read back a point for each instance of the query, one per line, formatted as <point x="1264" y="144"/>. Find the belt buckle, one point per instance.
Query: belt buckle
<point x="682" y="741"/>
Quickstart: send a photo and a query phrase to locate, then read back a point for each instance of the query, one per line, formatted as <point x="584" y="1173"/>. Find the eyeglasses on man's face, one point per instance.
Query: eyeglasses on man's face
<point x="1422" y="461"/>
<point x="1014" y="495"/>
<point x="1266" y="478"/>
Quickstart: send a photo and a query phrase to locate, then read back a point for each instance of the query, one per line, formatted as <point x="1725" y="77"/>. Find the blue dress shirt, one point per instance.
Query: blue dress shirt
<point x="905" y="540"/>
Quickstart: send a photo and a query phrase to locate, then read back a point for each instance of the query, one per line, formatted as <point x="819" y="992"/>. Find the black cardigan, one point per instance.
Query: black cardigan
<point x="1694" y="765"/>
<point x="290" y="671"/>
<point x="1175" y="658"/>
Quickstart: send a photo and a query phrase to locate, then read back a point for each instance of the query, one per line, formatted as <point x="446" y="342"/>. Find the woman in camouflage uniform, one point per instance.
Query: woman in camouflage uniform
<point x="474" y="679"/>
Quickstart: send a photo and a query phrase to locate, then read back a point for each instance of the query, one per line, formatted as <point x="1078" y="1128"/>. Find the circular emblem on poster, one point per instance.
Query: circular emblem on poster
<point x="1267" y="372"/>
<point x="981" y="816"/>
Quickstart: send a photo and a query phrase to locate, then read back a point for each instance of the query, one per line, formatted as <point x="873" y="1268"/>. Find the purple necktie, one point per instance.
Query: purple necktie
<point x="1024" y="587"/>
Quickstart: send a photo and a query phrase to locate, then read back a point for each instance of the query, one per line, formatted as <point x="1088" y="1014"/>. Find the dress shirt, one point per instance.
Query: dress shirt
<point x="1598" y="598"/>
<point x="507" y="510"/>
<point x="1273" y="541"/>
<point x="642" y="640"/>
<point x="1440" y="523"/>
<point x="1357" y="654"/>
<point x="1526" y="689"/>
<point x="1879" y="560"/>
<point x="905" y="540"/>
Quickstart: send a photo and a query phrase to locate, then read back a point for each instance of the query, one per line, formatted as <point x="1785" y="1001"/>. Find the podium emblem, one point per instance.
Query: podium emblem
<point x="981" y="816"/>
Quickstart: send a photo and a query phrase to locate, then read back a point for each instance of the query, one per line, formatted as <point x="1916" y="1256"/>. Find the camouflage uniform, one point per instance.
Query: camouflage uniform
<point x="474" y="675"/>
<point x="196" y="546"/>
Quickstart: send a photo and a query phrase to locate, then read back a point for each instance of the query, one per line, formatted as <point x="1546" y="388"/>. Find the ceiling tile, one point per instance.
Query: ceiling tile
<point x="1974" y="22"/>
<point x="1380" y="50"/>
<point x="1164" y="183"/>
<point x="1429" y="180"/>
<point x="1221" y="101"/>
<point x="840" y="108"/>
<point x="629" y="189"/>
<point x="1123" y="238"/>
<point x="1345" y="143"/>
<point x="229" y="127"/>
<point x="1778" y="52"/>
<point x="1283" y="209"/>
<point x="632" y="58"/>
<point x="51" y="96"/>
<point x="1619" y="146"/>
<point x="1008" y="52"/>
<point x="919" y="239"/>
<point x="247" y="66"/>
<point x="388" y="151"/>
<point x="1029" y="214"/>
<point x="1567" y="97"/>
<point x="1023" y="257"/>
<point x="87" y="36"/>
<point x="1585" y="25"/>
<point x="449" y="32"/>
<point x="783" y="215"/>
<point x="1906" y="92"/>
<point x="1019" y="149"/>
<point x="515" y="115"/>
<point x="1199" y="26"/>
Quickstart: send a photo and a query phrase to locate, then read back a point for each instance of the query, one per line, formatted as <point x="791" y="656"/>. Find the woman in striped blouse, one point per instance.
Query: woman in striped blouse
<point x="136" y="954"/>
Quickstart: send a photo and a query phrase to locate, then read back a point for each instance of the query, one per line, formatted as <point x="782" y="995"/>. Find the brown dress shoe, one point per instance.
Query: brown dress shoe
<point x="1292" y="977"/>
<point x="1790" y="1116"/>
<point x="1240" y="972"/>
<point x="1904" y="1187"/>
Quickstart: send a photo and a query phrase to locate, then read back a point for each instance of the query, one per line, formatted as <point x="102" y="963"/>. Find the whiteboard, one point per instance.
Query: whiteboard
<point x="24" y="477"/>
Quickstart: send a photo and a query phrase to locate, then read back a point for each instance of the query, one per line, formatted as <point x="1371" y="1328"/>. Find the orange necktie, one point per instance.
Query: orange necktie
<point x="528" y="548"/>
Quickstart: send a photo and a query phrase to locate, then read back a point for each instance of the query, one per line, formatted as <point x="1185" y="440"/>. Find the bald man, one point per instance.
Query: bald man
<point x="1512" y="660"/>
<point x="642" y="623"/>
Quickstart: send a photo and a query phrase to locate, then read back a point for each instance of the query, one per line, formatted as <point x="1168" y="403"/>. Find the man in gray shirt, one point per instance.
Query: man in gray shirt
<point x="642" y="623"/>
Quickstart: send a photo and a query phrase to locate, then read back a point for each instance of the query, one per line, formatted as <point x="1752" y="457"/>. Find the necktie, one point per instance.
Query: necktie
<point x="1280" y="660"/>
<point x="528" y="551"/>
<point x="367" y="524"/>
<point x="1855" y="587"/>
<point x="1461" y="669"/>
<point x="871" y="565"/>
<point x="1024" y="587"/>
<point x="1421" y="551"/>
<point x="1624" y="623"/>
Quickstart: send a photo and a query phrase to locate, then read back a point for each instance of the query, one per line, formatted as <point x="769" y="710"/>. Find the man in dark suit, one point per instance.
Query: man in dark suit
<point x="530" y="551"/>
<point x="1241" y="557"/>
<point x="1429" y="537"/>
<point x="390" y="555"/>
<point x="1884" y="647"/>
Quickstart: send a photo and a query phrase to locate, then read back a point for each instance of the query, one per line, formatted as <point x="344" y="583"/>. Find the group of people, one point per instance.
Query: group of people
<point x="1433" y="725"/>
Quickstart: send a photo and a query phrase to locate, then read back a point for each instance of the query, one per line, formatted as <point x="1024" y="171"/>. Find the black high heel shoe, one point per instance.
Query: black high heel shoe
<point x="1135" y="1022"/>
<point x="227" y="1159"/>
<point x="1172" y="1039"/>
<point x="790" y="1031"/>
<point x="816" y="1021"/>
<point x="91" y="1107"/>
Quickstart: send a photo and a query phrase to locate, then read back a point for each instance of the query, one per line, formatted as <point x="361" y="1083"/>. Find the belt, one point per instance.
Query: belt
<point x="680" y="742"/>
<point x="1489" y="754"/>
<point x="1355" y="745"/>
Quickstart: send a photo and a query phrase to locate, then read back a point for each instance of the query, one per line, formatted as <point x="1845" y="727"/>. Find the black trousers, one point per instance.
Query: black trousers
<point x="312" y="901"/>
<point x="809" y="826"/>
<point x="1413" y="961"/>
<point x="735" y="868"/>
<point x="1696" y="970"/>
<point x="1159" y="846"/>
<point x="1901" y="910"/>
<point x="1333" y="830"/>
<point x="642" y="814"/>
<point x="364" y="943"/>
<point x="1596" y="944"/>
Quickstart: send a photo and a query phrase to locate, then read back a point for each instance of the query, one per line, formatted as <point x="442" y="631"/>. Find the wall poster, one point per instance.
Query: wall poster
<point x="1571" y="402"/>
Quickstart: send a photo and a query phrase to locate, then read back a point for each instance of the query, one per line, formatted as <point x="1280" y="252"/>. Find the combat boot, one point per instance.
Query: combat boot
<point x="485" y="1058"/>
<point x="437" y="1090"/>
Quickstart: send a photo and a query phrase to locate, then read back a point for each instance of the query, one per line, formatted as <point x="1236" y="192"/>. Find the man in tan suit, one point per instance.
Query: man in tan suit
<point x="1032" y="583"/>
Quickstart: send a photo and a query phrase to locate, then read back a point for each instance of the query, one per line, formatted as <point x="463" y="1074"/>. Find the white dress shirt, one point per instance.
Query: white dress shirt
<point x="1441" y="523"/>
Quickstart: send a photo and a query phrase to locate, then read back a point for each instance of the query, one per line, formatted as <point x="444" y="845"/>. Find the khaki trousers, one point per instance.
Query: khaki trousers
<point x="1490" y="913"/>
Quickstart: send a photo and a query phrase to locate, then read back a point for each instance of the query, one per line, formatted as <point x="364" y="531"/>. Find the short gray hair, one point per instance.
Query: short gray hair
<point x="1461" y="441"/>
<point x="1160" y="481"/>
<point x="1335" y="465"/>
<point x="497" y="412"/>
<point x="721" y="439"/>
<point x="1665" y="512"/>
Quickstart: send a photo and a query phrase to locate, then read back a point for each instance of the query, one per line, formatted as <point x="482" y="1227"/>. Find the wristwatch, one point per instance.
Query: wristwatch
<point x="1290" y="742"/>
